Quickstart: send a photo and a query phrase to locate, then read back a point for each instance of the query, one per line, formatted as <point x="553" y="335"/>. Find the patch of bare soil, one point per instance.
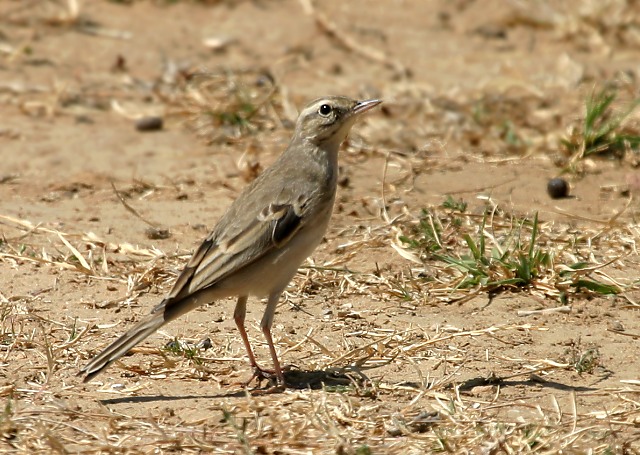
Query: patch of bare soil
<point x="453" y="306"/>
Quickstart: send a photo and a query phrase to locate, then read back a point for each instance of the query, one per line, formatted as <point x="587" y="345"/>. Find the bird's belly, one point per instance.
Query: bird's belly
<point x="273" y="272"/>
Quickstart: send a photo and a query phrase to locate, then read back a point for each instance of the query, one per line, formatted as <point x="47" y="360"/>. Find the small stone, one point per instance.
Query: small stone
<point x="149" y="124"/>
<point x="616" y="326"/>
<point x="154" y="233"/>
<point x="205" y="344"/>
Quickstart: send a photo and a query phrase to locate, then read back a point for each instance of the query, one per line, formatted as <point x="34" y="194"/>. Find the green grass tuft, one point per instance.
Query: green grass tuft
<point x="603" y="131"/>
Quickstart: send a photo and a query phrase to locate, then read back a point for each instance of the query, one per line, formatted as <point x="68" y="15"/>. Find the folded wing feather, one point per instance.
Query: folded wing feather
<point x="220" y="255"/>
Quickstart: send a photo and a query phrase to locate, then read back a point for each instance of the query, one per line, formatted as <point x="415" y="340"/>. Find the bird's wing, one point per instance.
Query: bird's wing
<point x="227" y="250"/>
<point x="238" y="240"/>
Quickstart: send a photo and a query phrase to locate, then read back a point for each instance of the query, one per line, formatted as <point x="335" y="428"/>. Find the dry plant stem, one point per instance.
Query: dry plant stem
<point x="608" y="222"/>
<point x="529" y="372"/>
<point x="560" y="309"/>
<point x="619" y="332"/>
<point x="385" y="214"/>
<point x="131" y="209"/>
<point x="106" y="32"/>
<point x="612" y="220"/>
<point x="76" y="254"/>
<point x="483" y="189"/>
<point x="339" y="36"/>
<point x="27" y="226"/>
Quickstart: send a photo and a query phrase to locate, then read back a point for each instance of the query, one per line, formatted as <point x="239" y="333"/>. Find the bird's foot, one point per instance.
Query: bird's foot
<point x="272" y="388"/>
<point x="276" y="383"/>
<point x="260" y="374"/>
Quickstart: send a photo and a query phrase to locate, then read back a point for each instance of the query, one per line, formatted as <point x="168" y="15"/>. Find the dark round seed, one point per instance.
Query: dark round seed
<point x="149" y="124"/>
<point x="558" y="188"/>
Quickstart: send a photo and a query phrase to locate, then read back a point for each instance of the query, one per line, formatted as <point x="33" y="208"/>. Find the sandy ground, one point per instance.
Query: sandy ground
<point x="477" y="96"/>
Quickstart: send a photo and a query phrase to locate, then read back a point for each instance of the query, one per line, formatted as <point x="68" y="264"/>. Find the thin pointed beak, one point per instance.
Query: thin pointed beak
<point x="364" y="106"/>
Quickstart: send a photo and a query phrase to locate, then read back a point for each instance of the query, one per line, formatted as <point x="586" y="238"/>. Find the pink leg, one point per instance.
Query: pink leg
<point x="239" y="316"/>
<point x="267" y="322"/>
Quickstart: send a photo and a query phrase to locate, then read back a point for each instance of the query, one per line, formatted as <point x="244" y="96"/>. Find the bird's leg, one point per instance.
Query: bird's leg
<point x="239" y="317"/>
<point x="267" y="322"/>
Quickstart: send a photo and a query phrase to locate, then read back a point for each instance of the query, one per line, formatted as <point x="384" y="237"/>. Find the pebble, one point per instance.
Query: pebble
<point x="149" y="124"/>
<point x="155" y="233"/>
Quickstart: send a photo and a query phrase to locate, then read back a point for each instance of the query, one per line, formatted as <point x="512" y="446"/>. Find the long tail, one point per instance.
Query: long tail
<point x="168" y="310"/>
<point x="122" y="345"/>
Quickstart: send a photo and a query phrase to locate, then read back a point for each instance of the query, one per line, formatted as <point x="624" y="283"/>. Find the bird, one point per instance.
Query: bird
<point x="259" y="243"/>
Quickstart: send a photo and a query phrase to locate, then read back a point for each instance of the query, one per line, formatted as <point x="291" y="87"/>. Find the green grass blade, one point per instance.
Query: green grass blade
<point x="600" y="288"/>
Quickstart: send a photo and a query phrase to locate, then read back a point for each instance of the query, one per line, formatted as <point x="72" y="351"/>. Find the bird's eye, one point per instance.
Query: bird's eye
<point x="325" y="110"/>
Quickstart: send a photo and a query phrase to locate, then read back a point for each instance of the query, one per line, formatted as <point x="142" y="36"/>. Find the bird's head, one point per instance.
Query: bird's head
<point x="326" y="121"/>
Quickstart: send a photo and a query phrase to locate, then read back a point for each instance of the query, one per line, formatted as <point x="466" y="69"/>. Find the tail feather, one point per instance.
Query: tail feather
<point x="122" y="345"/>
<point x="168" y="310"/>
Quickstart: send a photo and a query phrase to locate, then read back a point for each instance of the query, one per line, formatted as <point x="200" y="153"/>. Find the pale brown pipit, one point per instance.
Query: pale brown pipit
<point x="259" y="243"/>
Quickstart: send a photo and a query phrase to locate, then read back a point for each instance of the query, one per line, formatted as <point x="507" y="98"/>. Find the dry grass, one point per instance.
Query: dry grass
<point x="371" y="413"/>
<point x="392" y="382"/>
